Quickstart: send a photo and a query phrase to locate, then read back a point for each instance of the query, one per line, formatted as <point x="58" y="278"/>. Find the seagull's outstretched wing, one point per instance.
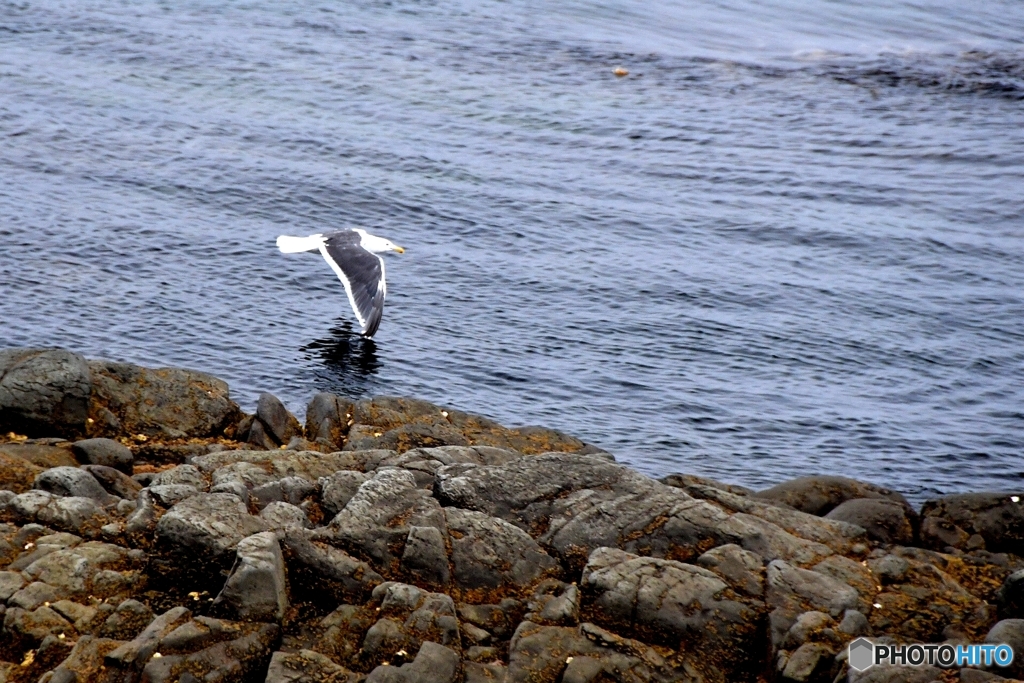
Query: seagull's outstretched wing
<point x="361" y="272"/>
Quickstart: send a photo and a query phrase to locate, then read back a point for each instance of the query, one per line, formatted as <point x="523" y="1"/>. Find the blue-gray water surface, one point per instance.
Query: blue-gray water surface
<point x="789" y="241"/>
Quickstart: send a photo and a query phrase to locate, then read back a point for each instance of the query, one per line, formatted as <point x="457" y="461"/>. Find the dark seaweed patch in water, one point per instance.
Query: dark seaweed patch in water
<point x="973" y="73"/>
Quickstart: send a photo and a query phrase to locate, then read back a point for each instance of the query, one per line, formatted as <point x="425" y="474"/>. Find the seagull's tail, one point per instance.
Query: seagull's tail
<point x="293" y="245"/>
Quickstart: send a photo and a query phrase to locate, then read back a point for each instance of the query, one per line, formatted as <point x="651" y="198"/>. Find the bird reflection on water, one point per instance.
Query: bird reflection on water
<point x="346" y="362"/>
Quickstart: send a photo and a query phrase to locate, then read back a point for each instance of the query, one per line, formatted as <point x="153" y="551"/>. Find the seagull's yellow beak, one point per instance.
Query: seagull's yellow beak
<point x="399" y="249"/>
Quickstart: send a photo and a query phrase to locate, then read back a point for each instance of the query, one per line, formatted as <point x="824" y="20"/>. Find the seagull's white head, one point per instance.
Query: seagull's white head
<point x="377" y="245"/>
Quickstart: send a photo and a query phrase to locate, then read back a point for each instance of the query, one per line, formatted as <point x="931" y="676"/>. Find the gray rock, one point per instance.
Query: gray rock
<point x="743" y="570"/>
<point x="10" y="583"/>
<point x="73" y="513"/>
<point x="338" y="489"/>
<point x="182" y="474"/>
<point x="1010" y="632"/>
<point x="818" y="495"/>
<point x="115" y="482"/>
<point x="671" y="603"/>
<point x="43" y="392"/>
<point x="433" y="664"/>
<point x="488" y="552"/>
<point x="35" y="594"/>
<point x="887" y="673"/>
<point x="791" y="591"/>
<point x="168" y="402"/>
<point x="318" y="571"/>
<point x="1011" y="596"/>
<point x="292" y="490"/>
<point x="307" y="666"/>
<point x="279" y="424"/>
<point x="979" y="676"/>
<point x="886" y="521"/>
<point x="807" y="627"/>
<point x="256" y="589"/>
<point x="212" y="649"/>
<point x="854" y="623"/>
<point x="128" y="620"/>
<point x="72" y="481"/>
<point x="890" y="568"/>
<point x="683" y="481"/>
<point x="409" y="617"/>
<point x="555" y="604"/>
<point x="105" y="452"/>
<point x="998" y="518"/>
<point x="376" y="521"/>
<point x="169" y="495"/>
<point x="280" y="516"/>
<point x="327" y="419"/>
<point x="425" y="557"/>
<point x="207" y="525"/>
<point x="133" y="655"/>
<point x="811" y="663"/>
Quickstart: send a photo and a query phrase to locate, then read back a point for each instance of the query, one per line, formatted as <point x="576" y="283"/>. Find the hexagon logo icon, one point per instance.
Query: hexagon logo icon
<point x="861" y="654"/>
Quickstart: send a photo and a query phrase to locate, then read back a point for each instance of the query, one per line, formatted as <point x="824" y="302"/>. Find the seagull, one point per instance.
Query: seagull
<point x="352" y="254"/>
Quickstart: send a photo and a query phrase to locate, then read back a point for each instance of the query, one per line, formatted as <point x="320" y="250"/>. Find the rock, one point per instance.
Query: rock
<point x="376" y="522"/>
<point x="10" y="583"/>
<point x="425" y="557"/>
<point x="499" y="620"/>
<point x="488" y="552"/>
<point x="886" y="521"/>
<point x="1010" y="597"/>
<point x="672" y="603"/>
<point x="925" y="603"/>
<point x="128" y="620"/>
<point x="293" y="490"/>
<point x="319" y="572"/>
<point x="409" y="617"/>
<point x="41" y="453"/>
<point x="1010" y="632"/>
<point x="35" y="594"/>
<point x="81" y="515"/>
<point x="791" y="591"/>
<point x="132" y="656"/>
<point x="104" y="452"/>
<point x="327" y="419"/>
<point x="818" y="495"/>
<point x="92" y="568"/>
<point x="338" y="489"/>
<point x="196" y="541"/>
<point x="280" y="516"/>
<point x="72" y="481"/>
<point x="555" y="604"/>
<point x="573" y="504"/>
<point x="240" y="650"/>
<point x="402" y="424"/>
<point x="166" y="402"/>
<point x="114" y="482"/>
<point x="279" y="424"/>
<point x="811" y="663"/>
<point x="888" y="673"/>
<point x="683" y="481"/>
<point x="43" y="392"/>
<point x="743" y="570"/>
<point x="306" y="666"/>
<point x="557" y="654"/>
<point x="256" y="589"/>
<point x="258" y="438"/>
<point x="25" y="629"/>
<point x="182" y="474"/>
<point x="85" y="661"/>
<point x="277" y="464"/>
<point x="476" y="671"/>
<point x="17" y="474"/>
<point x="854" y="623"/>
<point x="998" y="518"/>
<point x="433" y="664"/>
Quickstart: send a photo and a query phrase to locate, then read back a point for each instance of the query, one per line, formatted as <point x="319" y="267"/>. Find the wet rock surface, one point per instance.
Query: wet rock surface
<point x="390" y="539"/>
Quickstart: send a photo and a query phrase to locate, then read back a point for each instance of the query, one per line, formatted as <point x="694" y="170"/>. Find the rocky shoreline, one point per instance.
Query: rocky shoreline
<point x="152" y="531"/>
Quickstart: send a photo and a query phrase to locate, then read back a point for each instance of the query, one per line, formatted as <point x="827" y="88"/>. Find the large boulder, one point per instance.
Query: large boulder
<point x="817" y="495"/>
<point x="105" y="452"/>
<point x="43" y="392"/>
<point x="328" y="419"/>
<point x="674" y="604"/>
<point x="996" y="519"/>
<point x="165" y="402"/>
<point x="72" y="481"/>
<point x="256" y="589"/>
<point x="402" y="424"/>
<point x="886" y="521"/>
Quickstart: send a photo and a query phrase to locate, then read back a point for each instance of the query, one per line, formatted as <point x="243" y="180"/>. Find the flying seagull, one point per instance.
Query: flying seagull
<point x="352" y="254"/>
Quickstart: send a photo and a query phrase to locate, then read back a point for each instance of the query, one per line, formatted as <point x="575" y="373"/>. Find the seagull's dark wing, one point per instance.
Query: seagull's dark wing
<point x="361" y="272"/>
